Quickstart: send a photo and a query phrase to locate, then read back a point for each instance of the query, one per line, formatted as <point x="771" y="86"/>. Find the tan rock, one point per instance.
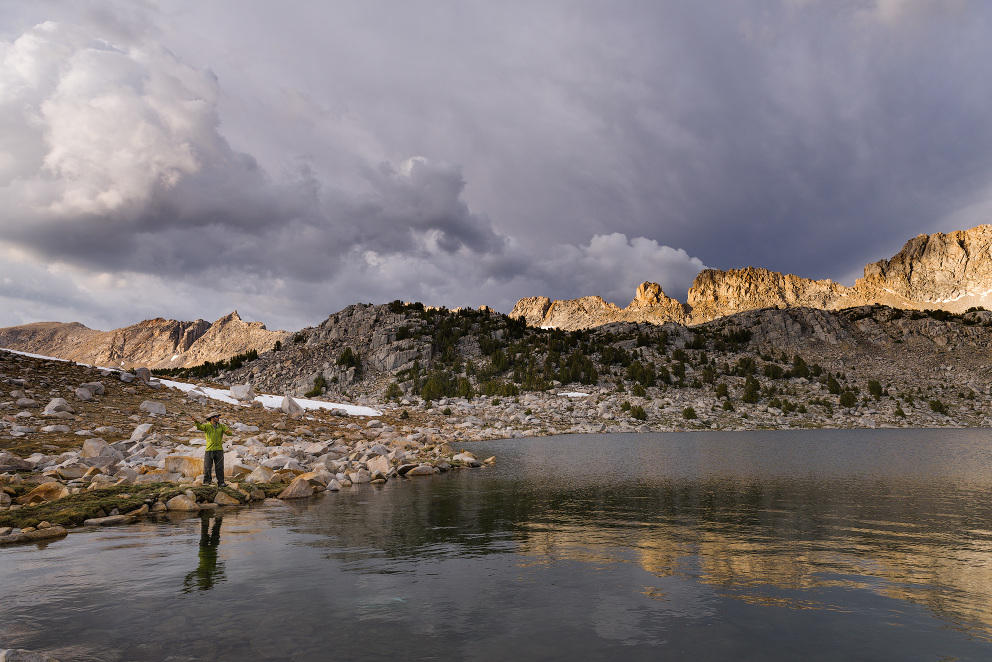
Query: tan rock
<point x="224" y="499"/>
<point x="298" y="489"/>
<point x="185" y="465"/>
<point x="182" y="503"/>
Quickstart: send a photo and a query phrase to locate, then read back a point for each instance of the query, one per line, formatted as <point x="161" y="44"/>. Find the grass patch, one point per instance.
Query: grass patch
<point x="74" y="509"/>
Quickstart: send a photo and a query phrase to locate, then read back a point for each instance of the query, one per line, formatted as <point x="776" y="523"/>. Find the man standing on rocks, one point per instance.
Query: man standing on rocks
<point x="214" y="431"/>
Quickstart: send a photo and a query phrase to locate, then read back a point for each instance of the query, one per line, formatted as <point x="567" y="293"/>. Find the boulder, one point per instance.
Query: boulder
<point x="96" y="388"/>
<point x="224" y="499"/>
<point x="260" y="475"/>
<point x="127" y="377"/>
<point x="141" y="432"/>
<point x="95" y="447"/>
<point x="185" y="465"/>
<point x="83" y="394"/>
<point x="34" y="536"/>
<point x="290" y="406"/>
<point x="152" y="407"/>
<point x="109" y="520"/>
<point x="243" y="392"/>
<point x="46" y="492"/>
<point x="422" y="470"/>
<point x="379" y="463"/>
<point x="72" y="470"/>
<point x="300" y="488"/>
<point x="143" y="375"/>
<point x="360" y="476"/>
<point x="182" y="503"/>
<point x="10" y="462"/>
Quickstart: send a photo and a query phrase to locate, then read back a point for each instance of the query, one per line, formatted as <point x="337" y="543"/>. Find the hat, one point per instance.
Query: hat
<point x="213" y="414"/>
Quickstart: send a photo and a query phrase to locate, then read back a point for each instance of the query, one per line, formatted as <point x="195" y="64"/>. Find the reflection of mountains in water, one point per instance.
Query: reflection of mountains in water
<point x="900" y="514"/>
<point x="763" y="542"/>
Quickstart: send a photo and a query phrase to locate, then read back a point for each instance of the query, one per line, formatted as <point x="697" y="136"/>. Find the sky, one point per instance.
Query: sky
<point x="187" y="158"/>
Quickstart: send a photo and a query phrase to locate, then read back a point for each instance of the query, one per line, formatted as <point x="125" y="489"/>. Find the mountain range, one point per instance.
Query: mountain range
<point x="951" y="272"/>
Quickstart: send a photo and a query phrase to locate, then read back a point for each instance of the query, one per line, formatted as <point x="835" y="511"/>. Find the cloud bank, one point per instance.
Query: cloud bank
<point x="183" y="159"/>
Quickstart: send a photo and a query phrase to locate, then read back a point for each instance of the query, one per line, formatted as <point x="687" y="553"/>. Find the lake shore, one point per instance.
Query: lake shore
<point x="77" y="438"/>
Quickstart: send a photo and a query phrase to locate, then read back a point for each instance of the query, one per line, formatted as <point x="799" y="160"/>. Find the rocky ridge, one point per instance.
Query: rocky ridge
<point x="156" y="343"/>
<point x="951" y="272"/>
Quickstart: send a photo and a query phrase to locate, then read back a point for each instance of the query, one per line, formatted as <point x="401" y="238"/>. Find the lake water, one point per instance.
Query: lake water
<point x="814" y="545"/>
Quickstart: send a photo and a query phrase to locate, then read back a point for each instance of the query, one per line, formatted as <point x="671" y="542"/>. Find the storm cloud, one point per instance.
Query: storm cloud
<point x="185" y="159"/>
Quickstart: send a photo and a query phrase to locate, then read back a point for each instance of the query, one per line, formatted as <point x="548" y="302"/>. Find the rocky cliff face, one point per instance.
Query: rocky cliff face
<point x="951" y="272"/>
<point x="156" y="343"/>
<point x="720" y="293"/>
<point x="227" y="337"/>
<point x="650" y="304"/>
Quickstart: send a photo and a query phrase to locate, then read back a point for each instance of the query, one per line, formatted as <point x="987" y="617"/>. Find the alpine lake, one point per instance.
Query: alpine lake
<point x="785" y="545"/>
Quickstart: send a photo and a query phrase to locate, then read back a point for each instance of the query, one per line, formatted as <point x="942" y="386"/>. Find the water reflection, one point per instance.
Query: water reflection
<point x="919" y="533"/>
<point x="735" y="547"/>
<point x="208" y="571"/>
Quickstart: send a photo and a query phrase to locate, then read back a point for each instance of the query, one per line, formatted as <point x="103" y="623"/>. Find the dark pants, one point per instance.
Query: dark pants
<point x="215" y="459"/>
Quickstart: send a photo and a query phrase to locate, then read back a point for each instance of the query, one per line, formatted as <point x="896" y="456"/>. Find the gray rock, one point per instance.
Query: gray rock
<point x="152" y="407"/>
<point x="243" y="392"/>
<point x="83" y="394"/>
<point x="127" y="377"/>
<point x="96" y="388"/>
<point x="141" y="432"/>
<point x="290" y="406"/>
<point x="57" y="405"/>
<point x="108" y="521"/>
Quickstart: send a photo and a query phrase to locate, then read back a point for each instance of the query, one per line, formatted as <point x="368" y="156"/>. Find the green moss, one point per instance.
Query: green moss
<point x="74" y="509"/>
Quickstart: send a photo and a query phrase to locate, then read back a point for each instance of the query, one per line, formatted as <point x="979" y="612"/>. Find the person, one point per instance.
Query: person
<point x="214" y="431"/>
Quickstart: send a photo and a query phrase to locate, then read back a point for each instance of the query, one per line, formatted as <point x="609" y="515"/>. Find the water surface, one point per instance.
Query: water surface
<point x="815" y="545"/>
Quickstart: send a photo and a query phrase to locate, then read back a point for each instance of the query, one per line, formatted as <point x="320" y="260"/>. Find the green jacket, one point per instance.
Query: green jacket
<point x="214" y="435"/>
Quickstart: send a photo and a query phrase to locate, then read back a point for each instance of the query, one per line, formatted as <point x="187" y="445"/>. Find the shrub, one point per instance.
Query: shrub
<point x="848" y="399"/>
<point x="446" y="411"/>
<point x="394" y="392"/>
<point x="728" y="405"/>
<point x="625" y="406"/>
<point x="773" y="371"/>
<point x="938" y="406"/>
<point x="875" y="389"/>
<point x="404" y="414"/>
<point x="318" y="387"/>
<point x="639" y="391"/>
<point x="688" y="413"/>
<point x="638" y="413"/>
<point x="900" y="413"/>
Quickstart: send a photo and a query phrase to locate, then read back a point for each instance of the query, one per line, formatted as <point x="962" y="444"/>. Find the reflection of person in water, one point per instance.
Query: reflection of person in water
<point x="208" y="571"/>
